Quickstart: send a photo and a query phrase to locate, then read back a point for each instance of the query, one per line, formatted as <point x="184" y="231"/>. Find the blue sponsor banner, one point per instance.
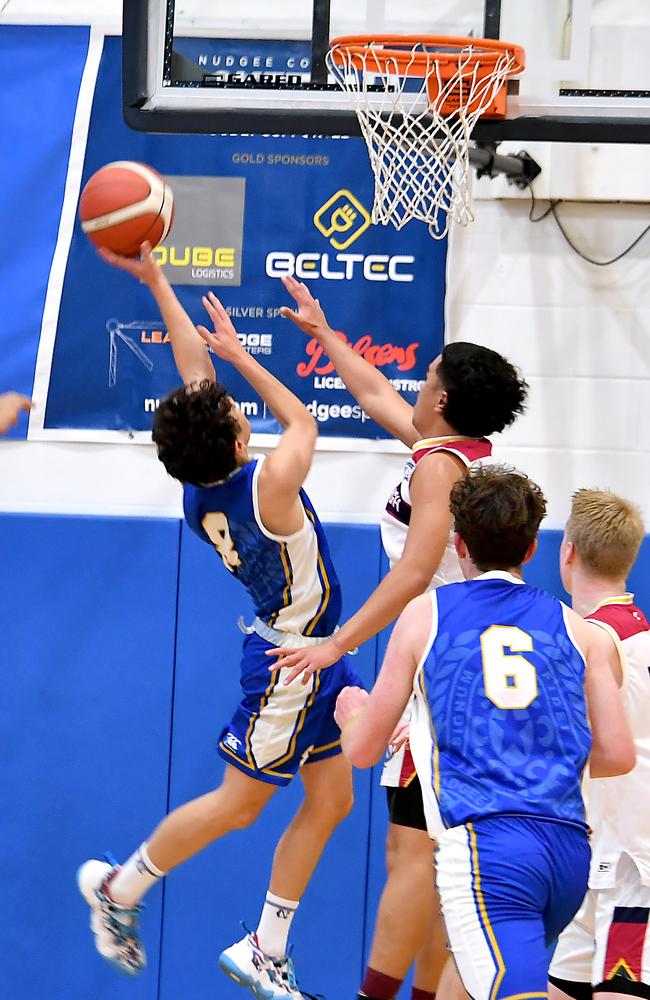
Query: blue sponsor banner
<point x="249" y="209"/>
<point x="35" y="132"/>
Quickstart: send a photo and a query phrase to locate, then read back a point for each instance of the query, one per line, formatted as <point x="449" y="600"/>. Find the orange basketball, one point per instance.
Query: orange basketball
<point x="124" y="204"/>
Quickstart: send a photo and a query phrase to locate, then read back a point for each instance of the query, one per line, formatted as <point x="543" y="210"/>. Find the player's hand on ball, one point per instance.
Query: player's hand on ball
<point x="350" y="702"/>
<point x="305" y="661"/>
<point x="145" y="267"/>
<point x="309" y="316"/>
<point x="224" y="341"/>
<point x="12" y="404"/>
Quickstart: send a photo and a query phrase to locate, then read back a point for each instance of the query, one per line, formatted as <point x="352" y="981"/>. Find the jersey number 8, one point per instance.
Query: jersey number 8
<point x="510" y="680"/>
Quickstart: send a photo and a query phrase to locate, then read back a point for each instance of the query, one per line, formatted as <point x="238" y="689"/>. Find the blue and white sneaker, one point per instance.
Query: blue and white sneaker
<point x="286" y="973"/>
<point x="117" y="936"/>
<point x="248" y="965"/>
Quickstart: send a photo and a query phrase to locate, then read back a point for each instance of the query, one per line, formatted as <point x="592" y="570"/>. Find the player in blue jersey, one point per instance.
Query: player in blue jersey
<point x="507" y="683"/>
<point x="469" y="394"/>
<point x="254" y="512"/>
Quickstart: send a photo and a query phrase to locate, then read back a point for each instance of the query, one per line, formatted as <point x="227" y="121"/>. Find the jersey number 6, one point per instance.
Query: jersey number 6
<point x="510" y="680"/>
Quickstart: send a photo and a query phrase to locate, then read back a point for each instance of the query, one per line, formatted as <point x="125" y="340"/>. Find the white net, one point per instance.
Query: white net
<point x="419" y="152"/>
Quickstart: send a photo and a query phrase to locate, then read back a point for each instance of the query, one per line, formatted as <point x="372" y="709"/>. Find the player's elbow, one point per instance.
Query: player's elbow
<point x="360" y="755"/>
<point x="613" y="761"/>
<point x="416" y="578"/>
<point x="195" y="375"/>
<point x="308" y="426"/>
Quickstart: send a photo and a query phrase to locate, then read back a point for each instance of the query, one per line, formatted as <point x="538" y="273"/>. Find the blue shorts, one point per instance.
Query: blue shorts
<point x="508" y="885"/>
<point x="277" y="729"/>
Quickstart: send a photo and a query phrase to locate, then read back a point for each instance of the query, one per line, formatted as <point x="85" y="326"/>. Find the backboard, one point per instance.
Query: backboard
<point x="254" y="66"/>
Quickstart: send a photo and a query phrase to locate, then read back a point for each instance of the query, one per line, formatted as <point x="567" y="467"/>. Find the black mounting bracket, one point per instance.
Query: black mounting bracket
<point x="519" y="168"/>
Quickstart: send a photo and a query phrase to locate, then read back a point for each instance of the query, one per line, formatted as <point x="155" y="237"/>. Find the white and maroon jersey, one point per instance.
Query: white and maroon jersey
<point x="396" y="518"/>
<point x="618" y="809"/>
<point x="399" y="769"/>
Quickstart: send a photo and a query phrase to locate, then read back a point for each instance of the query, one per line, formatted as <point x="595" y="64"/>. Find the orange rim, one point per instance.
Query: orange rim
<point x="383" y="49"/>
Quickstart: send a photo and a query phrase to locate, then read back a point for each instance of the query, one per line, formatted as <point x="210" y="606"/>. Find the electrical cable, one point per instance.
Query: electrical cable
<point x="552" y="210"/>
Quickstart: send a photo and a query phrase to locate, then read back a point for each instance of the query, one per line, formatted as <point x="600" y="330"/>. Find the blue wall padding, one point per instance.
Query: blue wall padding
<point x="120" y="662"/>
<point x="35" y="143"/>
<point x="88" y="614"/>
<point x="206" y="899"/>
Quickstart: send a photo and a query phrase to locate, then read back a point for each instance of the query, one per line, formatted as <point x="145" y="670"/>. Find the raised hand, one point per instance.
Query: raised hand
<point x="145" y="267"/>
<point x="224" y="341"/>
<point x="309" y="316"/>
<point x="305" y="661"/>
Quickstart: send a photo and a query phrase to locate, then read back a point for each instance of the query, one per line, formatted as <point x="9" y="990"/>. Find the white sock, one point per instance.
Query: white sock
<point x="273" y="929"/>
<point x="135" y="877"/>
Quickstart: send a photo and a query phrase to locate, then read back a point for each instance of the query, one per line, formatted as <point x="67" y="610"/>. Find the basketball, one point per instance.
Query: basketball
<point x="124" y="204"/>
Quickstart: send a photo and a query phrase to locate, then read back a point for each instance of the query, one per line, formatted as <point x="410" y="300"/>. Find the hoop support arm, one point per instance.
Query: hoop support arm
<point x="520" y="168"/>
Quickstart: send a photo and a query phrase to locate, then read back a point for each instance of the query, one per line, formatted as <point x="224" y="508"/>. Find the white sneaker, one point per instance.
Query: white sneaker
<point x="287" y="975"/>
<point x="116" y="931"/>
<point x="249" y="966"/>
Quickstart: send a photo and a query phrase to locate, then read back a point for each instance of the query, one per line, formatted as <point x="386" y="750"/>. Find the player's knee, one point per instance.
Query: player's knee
<point x="343" y="805"/>
<point x="410" y="852"/>
<point x="337" y="807"/>
<point x="234" y="811"/>
<point x="244" y="815"/>
<point x="328" y="810"/>
<point x="392" y="849"/>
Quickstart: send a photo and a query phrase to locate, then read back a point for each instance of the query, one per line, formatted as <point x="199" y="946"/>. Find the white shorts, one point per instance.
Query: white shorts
<point x="609" y="936"/>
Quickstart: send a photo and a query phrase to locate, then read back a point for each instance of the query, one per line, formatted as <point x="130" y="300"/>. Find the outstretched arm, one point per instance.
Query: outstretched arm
<point x="368" y="722"/>
<point x="427" y="537"/>
<point x="612" y="745"/>
<point x="368" y="386"/>
<point x="190" y="353"/>
<point x="286" y="468"/>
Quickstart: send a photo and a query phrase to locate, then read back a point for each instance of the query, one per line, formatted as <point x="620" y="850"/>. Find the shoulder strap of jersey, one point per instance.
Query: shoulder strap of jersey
<point x="468" y="450"/>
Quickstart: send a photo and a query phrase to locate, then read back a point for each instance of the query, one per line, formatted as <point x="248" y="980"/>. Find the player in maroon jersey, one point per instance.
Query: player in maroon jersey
<point x="470" y="392"/>
<point x="606" y="949"/>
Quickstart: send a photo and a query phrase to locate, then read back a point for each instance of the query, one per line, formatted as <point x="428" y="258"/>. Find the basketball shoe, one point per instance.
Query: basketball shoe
<point x="116" y="931"/>
<point x="267" y="978"/>
<point x="286" y="973"/>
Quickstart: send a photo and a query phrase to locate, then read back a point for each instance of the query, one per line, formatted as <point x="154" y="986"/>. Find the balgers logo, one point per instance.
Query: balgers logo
<point x="376" y="354"/>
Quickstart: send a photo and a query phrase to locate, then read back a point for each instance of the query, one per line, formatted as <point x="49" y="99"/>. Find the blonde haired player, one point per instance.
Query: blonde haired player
<point x="606" y="949"/>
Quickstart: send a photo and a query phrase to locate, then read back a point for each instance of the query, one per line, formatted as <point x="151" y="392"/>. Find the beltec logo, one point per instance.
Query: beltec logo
<point x="342" y="220"/>
<point x="372" y="267"/>
<point x="343" y="215"/>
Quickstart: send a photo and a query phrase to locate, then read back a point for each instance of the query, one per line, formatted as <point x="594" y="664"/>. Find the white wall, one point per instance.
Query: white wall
<point x="121" y="479"/>
<point x="580" y="333"/>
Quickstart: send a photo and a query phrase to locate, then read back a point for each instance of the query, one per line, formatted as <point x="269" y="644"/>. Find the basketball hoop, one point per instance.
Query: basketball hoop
<point x="417" y="99"/>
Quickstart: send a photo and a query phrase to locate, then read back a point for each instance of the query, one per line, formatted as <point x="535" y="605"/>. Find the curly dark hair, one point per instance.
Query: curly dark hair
<point x="485" y="393"/>
<point x="195" y="430"/>
<point x="497" y="512"/>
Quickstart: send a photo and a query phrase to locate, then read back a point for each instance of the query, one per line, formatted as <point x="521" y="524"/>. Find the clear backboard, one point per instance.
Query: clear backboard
<point x="255" y="66"/>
